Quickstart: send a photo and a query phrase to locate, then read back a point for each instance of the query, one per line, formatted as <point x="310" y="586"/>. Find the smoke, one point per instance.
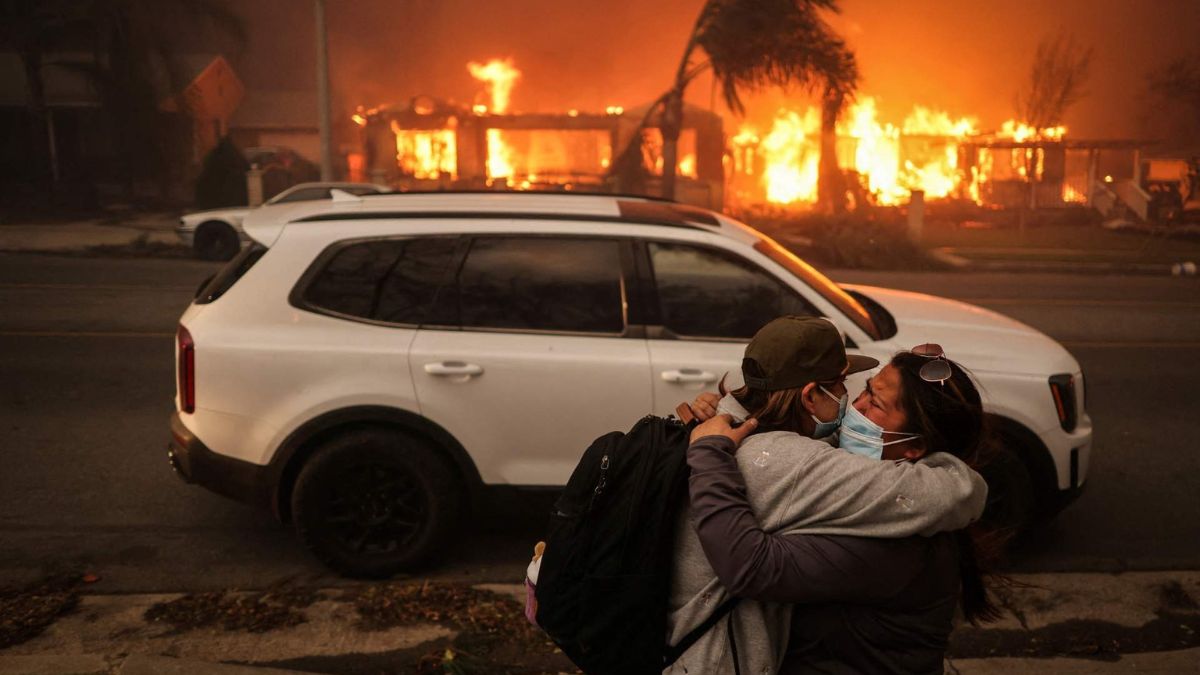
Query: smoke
<point x="968" y="58"/>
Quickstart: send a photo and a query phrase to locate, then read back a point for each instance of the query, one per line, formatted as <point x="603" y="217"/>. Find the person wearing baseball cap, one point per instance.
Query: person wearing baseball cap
<point x="795" y="370"/>
<point x="778" y="515"/>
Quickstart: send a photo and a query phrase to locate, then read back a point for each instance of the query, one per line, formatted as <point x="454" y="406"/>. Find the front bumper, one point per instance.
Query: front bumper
<point x="187" y="235"/>
<point x="196" y="463"/>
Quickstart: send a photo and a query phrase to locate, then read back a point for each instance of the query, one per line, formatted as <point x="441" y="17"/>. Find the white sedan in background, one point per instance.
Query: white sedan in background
<point x="217" y="234"/>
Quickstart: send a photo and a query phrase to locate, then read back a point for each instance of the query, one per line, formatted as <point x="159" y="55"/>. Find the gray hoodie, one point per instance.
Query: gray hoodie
<point x="795" y="484"/>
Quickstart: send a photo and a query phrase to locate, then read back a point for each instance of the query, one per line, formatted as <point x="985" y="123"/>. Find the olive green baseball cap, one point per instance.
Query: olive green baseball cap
<point x="792" y="351"/>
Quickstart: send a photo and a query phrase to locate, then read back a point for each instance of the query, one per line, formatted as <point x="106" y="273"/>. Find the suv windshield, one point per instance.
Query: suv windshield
<point x="849" y="306"/>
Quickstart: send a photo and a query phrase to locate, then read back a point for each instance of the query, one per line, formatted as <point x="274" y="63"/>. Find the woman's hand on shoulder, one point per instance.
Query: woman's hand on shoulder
<point x="722" y="425"/>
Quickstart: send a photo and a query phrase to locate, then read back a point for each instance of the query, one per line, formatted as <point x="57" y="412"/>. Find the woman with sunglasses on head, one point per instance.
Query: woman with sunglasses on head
<point x="788" y="477"/>
<point x="858" y="604"/>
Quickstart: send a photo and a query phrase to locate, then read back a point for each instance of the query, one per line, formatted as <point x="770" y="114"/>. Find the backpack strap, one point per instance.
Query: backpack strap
<point x="672" y="654"/>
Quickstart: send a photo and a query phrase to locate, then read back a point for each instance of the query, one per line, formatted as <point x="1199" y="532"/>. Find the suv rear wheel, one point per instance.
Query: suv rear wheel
<point x="374" y="502"/>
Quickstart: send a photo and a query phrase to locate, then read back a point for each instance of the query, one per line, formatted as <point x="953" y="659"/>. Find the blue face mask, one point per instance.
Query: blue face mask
<point x="826" y="428"/>
<point x="861" y="436"/>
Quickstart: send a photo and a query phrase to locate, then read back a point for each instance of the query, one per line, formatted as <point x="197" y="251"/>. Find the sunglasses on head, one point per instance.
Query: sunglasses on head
<point x="938" y="368"/>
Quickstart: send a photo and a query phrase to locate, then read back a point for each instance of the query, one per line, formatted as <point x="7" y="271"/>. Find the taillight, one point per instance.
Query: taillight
<point x="187" y="370"/>
<point x="1062" y="389"/>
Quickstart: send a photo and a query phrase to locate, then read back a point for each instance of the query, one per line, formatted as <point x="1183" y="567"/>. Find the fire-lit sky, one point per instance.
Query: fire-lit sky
<point x="967" y="57"/>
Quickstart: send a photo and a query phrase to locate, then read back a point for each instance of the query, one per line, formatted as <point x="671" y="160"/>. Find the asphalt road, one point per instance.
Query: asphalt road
<point x="86" y="381"/>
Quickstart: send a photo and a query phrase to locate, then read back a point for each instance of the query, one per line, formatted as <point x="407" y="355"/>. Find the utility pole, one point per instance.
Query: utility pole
<point x="323" y="113"/>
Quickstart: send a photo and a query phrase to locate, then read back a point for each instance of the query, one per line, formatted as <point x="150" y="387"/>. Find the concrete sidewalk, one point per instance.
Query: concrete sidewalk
<point x="154" y="228"/>
<point x="1117" y="623"/>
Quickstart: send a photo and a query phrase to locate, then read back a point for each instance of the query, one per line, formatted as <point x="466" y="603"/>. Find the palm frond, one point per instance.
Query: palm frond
<point x="755" y="43"/>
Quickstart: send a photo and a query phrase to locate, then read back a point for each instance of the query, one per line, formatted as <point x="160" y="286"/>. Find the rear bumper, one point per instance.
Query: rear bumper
<point x="195" y="463"/>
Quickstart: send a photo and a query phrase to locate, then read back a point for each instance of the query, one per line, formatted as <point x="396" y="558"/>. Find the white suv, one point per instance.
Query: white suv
<point x="371" y="365"/>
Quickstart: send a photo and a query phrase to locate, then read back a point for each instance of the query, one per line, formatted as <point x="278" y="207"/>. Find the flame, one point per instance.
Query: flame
<point x="687" y="165"/>
<point x="923" y="153"/>
<point x="1070" y="194"/>
<point x="500" y="75"/>
<point x="1022" y="132"/>
<point x="877" y="152"/>
<point x="426" y="154"/>
<point x="791" y="162"/>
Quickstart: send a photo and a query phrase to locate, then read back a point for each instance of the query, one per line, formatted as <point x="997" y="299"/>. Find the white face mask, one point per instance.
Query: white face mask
<point x="824" y="429"/>
<point x="861" y="436"/>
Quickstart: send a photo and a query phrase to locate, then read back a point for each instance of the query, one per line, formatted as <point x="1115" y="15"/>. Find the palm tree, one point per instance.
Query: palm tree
<point x="749" y="44"/>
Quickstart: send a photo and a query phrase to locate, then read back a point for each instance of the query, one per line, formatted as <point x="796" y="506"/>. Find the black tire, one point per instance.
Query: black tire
<point x="373" y="502"/>
<point x="1012" y="501"/>
<point x="215" y="240"/>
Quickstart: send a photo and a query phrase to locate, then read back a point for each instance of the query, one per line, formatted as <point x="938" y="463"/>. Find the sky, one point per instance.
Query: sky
<point x="968" y="57"/>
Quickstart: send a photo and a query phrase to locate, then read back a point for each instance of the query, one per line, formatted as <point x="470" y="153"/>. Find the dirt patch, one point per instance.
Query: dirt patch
<point x="1173" y="596"/>
<point x="493" y="634"/>
<point x="26" y="611"/>
<point x="1079" y="639"/>
<point x="253" y="612"/>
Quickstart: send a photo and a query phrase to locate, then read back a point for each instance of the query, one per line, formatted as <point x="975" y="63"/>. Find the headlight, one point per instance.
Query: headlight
<point x="1062" y="390"/>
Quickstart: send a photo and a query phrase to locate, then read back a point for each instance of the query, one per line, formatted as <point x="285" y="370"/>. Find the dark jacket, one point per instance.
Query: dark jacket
<point x="862" y="605"/>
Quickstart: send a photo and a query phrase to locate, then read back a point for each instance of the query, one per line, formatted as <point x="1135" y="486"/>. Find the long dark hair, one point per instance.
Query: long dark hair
<point x="949" y="417"/>
<point x="780" y="410"/>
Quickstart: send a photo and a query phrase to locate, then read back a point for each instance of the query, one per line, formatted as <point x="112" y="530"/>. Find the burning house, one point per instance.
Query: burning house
<point x="930" y="151"/>
<point x="432" y="144"/>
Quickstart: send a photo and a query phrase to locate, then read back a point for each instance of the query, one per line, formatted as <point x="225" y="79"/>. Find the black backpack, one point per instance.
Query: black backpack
<point x="605" y="577"/>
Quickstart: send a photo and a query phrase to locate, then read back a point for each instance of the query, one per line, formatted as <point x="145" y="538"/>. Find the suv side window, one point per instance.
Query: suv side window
<point x="542" y="283"/>
<point x="384" y="280"/>
<point x="708" y="293"/>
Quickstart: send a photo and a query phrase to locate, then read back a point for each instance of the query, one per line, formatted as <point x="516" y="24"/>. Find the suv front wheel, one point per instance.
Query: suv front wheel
<point x="374" y="502"/>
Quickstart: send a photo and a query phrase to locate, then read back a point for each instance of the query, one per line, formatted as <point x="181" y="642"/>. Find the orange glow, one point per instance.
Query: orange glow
<point x="687" y="165"/>
<point x="426" y="154"/>
<point x="652" y="149"/>
<point x="1022" y="132"/>
<point x="790" y="152"/>
<point x="500" y="76"/>
<point x="921" y="153"/>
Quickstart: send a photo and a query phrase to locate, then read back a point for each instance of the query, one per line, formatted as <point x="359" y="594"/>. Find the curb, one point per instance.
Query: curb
<point x="137" y="664"/>
<point x="1108" y="623"/>
<point x="956" y="260"/>
<point x="1183" y="661"/>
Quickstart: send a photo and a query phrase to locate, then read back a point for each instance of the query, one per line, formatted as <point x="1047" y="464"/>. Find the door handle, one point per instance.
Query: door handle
<point x="689" y="376"/>
<point x="453" y="368"/>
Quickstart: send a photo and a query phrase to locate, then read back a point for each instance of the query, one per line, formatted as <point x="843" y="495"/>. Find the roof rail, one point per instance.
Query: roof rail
<point x="556" y="193"/>
<point x="638" y="219"/>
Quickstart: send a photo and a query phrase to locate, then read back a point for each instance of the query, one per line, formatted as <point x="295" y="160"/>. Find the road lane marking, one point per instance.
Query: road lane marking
<point x="94" y="287"/>
<point x="1066" y="302"/>
<point x="70" y="333"/>
<point x="1114" y="344"/>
